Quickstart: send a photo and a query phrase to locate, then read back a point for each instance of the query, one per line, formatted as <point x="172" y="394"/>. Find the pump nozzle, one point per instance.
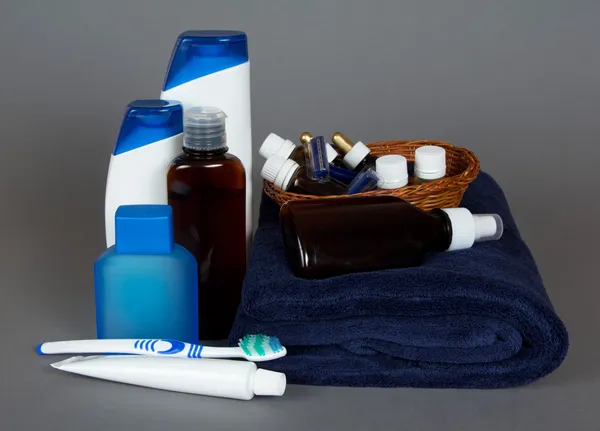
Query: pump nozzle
<point x="488" y="227"/>
<point x="469" y="228"/>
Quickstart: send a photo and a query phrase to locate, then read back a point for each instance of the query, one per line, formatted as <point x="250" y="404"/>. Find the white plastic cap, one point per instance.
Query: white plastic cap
<point x="468" y="228"/>
<point x="393" y="171"/>
<point x="356" y="155"/>
<point x="279" y="171"/>
<point x="276" y="145"/>
<point x="269" y="383"/>
<point x="331" y="152"/>
<point x="204" y="128"/>
<point x="430" y="162"/>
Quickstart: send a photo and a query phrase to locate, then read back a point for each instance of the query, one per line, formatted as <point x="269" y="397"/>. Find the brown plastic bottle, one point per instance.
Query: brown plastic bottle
<point x="286" y="175"/>
<point x="207" y="192"/>
<point x="355" y="156"/>
<point x="329" y="237"/>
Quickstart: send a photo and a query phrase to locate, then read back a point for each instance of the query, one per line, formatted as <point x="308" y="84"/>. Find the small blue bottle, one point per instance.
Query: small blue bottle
<point x="146" y="285"/>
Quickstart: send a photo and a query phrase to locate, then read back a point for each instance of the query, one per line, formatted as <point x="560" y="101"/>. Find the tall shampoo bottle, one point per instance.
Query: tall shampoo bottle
<point x="211" y="68"/>
<point x="150" y="137"/>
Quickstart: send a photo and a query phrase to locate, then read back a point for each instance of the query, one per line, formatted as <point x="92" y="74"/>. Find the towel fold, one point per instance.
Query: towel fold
<point x="477" y="318"/>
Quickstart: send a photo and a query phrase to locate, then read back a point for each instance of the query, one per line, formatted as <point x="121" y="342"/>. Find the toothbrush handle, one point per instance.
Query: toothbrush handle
<point x="147" y="347"/>
<point x="222" y="352"/>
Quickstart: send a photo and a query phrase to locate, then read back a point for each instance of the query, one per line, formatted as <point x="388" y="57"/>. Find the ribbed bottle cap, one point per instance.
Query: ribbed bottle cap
<point x="463" y="228"/>
<point x="279" y="171"/>
<point x="393" y="171"/>
<point x="469" y="228"/>
<point x="276" y="145"/>
<point x="204" y="128"/>
<point x="269" y="383"/>
<point x="356" y="155"/>
<point x="430" y="162"/>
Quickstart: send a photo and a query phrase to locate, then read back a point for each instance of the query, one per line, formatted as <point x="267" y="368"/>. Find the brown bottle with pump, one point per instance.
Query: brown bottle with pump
<point x="355" y="156"/>
<point x="330" y="237"/>
<point x="207" y="191"/>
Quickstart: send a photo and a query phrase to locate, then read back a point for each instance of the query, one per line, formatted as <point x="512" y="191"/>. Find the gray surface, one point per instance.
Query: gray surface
<point x="516" y="81"/>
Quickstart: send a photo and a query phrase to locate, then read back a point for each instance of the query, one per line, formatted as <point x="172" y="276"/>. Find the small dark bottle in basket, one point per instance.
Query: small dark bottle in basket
<point x="312" y="178"/>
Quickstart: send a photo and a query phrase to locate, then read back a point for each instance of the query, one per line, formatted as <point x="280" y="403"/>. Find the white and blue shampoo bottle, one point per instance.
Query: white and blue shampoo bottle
<point x="211" y="68"/>
<point x="150" y="137"/>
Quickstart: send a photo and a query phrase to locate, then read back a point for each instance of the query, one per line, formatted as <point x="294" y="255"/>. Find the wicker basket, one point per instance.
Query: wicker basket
<point x="462" y="167"/>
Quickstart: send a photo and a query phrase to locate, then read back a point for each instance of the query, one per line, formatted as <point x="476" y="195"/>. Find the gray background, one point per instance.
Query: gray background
<point x="514" y="80"/>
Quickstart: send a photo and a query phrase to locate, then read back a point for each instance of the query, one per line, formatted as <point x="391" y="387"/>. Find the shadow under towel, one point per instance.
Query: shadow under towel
<point x="477" y="318"/>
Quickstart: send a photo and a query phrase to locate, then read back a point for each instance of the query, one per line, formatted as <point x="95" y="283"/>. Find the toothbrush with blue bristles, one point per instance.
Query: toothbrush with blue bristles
<point x="256" y="348"/>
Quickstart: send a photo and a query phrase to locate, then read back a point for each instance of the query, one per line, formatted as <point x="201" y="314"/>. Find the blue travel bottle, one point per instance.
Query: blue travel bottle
<point x="146" y="285"/>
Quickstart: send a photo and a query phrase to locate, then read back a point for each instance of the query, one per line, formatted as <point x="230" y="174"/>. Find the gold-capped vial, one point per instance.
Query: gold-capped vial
<point x="341" y="143"/>
<point x="305" y="138"/>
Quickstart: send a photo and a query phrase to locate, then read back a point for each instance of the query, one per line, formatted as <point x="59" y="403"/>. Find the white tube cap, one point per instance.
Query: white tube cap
<point x="468" y="228"/>
<point x="276" y="145"/>
<point x="269" y="383"/>
<point x="356" y="155"/>
<point x="331" y="152"/>
<point x="279" y="171"/>
<point x="430" y="162"/>
<point x="393" y="171"/>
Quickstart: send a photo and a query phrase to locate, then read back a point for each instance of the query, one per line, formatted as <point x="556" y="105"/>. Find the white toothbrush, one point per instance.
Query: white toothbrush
<point x="256" y="348"/>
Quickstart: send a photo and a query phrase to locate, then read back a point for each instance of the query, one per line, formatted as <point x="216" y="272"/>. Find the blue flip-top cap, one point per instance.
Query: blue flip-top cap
<point x="148" y="121"/>
<point x="144" y="229"/>
<point x="199" y="53"/>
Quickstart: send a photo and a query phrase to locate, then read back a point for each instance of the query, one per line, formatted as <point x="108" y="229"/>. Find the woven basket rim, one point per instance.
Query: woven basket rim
<point x="453" y="182"/>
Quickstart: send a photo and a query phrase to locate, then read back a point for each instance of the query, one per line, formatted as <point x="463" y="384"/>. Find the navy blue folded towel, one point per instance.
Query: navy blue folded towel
<point x="478" y="318"/>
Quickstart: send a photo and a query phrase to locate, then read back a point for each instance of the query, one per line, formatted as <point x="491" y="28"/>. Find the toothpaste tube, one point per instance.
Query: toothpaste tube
<point x="214" y="377"/>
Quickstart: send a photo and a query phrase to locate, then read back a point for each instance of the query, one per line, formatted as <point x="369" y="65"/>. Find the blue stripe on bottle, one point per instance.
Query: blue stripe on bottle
<point x="152" y="345"/>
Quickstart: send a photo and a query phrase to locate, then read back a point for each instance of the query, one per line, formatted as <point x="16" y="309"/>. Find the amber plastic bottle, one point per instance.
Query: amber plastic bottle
<point x="207" y="191"/>
<point x="355" y="156"/>
<point x="329" y="237"/>
<point x="286" y="174"/>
